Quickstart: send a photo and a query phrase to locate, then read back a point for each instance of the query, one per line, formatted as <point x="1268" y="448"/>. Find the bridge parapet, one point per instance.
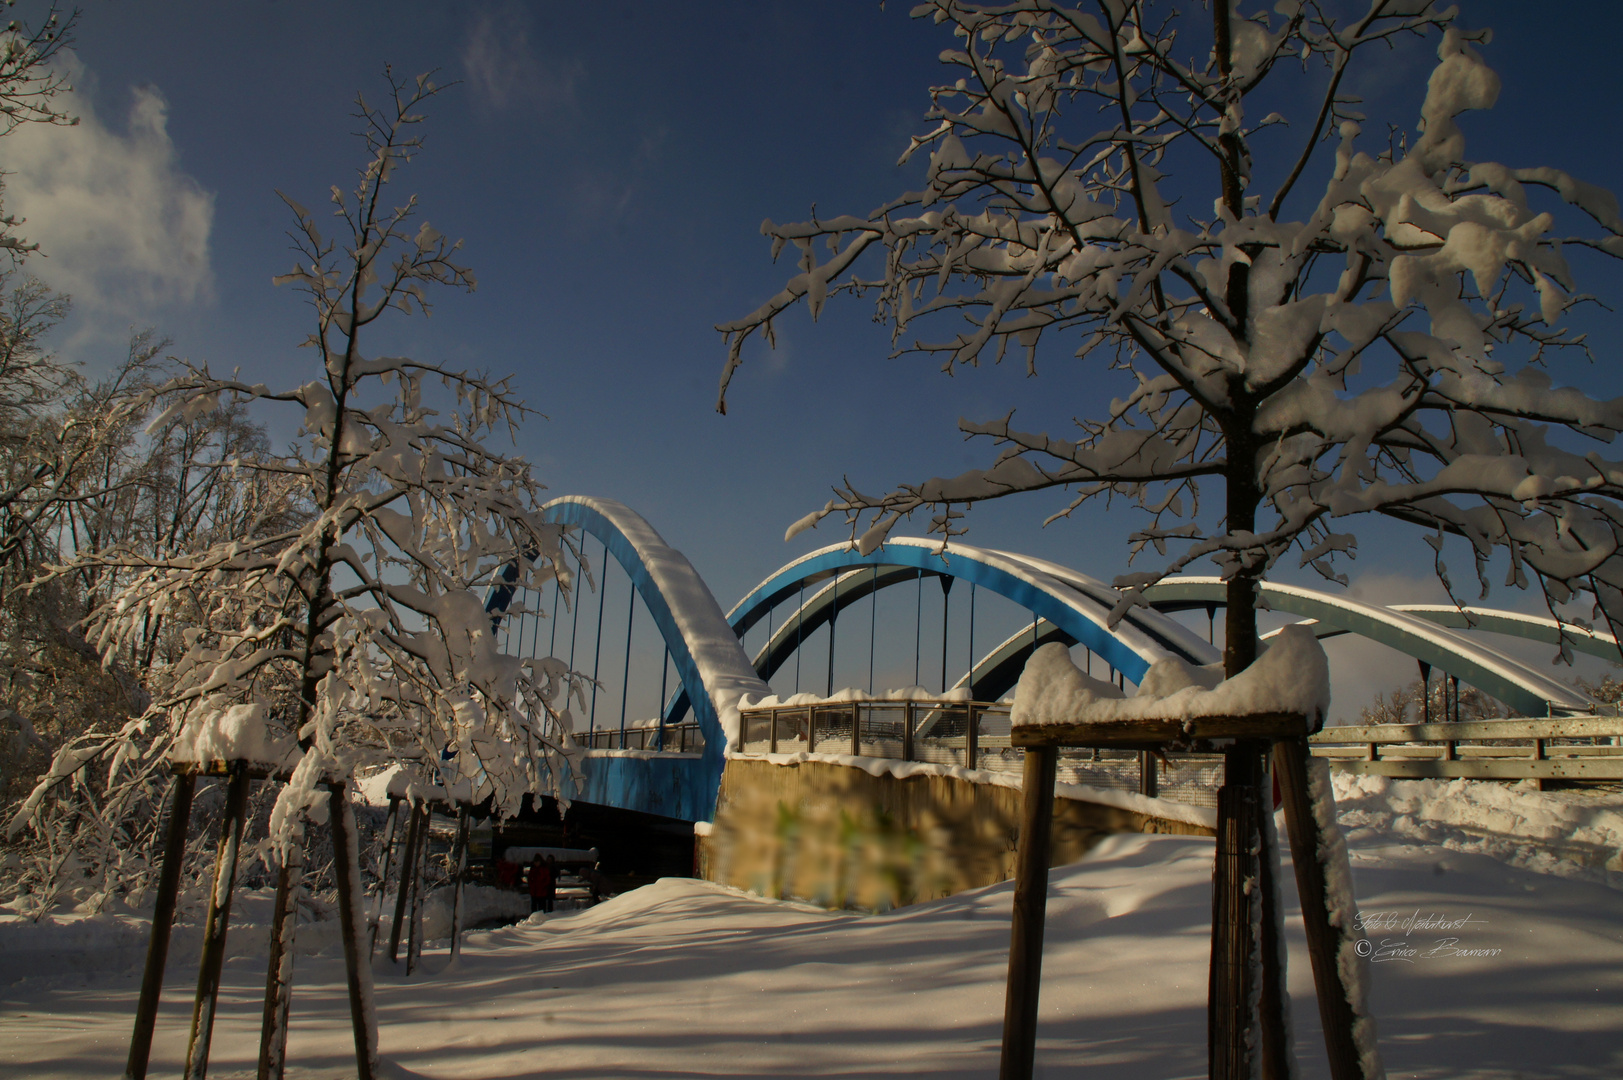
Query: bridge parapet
<point x="971" y="739"/>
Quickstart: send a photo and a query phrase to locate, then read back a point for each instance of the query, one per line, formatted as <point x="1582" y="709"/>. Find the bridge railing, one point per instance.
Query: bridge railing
<point x="682" y="738"/>
<point x="969" y="734"/>
<point x="1565" y="748"/>
<point x="975" y="735"/>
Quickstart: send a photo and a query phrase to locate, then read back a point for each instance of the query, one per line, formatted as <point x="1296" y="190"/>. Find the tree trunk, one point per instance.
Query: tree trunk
<point x="1232" y="1032"/>
<point x="279" y="970"/>
<point x="1278" y="1041"/>
<point x="219" y="918"/>
<point x="1247" y="1003"/>
<point x="347" y="868"/>
<point x="163" y="921"/>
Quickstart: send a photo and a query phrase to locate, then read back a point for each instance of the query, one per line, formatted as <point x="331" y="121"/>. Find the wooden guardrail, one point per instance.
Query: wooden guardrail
<point x="1567" y="748"/>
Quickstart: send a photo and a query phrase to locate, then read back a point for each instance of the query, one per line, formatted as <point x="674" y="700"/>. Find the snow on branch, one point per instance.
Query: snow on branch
<point x="342" y="629"/>
<point x="1360" y="328"/>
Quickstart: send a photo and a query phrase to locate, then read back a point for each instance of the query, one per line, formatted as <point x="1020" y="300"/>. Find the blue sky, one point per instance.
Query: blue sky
<point x="608" y="166"/>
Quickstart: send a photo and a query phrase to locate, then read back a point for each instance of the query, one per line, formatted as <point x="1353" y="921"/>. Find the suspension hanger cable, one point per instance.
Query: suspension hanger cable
<point x="873" y="622"/>
<point x="625" y="676"/>
<point x="597" y="652"/>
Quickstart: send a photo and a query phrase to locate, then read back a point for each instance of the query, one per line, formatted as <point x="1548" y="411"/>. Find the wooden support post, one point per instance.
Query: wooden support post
<point x="279" y="971"/>
<point x="219" y="918"/>
<point x="856" y="730"/>
<point x="414" y="943"/>
<point x="972" y="737"/>
<point x="389" y="839"/>
<point x="1274" y="1003"/>
<point x="163" y="921"/>
<point x="1232" y="1037"/>
<point x="459" y="860"/>
<point x="772" y="730"/>
<point x="347" y="869"/>
<point x="1030" y="905"/>
<point x="1148" y="779"/>
<point x="408" y="860"/>
<point x="907" y="732"/>
<point x="1323" y="940"/>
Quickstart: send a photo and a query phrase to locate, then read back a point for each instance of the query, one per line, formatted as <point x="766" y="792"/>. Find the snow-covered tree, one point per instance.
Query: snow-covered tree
<point x="1413" y="703"/>
<point x="162" y="493"/>
<point x="1318" y="318"/>
<point x="29" y="85"/>
<point x="360" y="625"/>
<point x="317" y="609"/>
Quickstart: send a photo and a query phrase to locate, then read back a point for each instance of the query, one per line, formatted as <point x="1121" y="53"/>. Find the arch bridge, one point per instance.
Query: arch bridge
<point x="704" y="646"/>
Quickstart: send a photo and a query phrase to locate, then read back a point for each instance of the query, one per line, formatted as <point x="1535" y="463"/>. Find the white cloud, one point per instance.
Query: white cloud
<point x="122" y="229"/>
<point x="502" y="69"/>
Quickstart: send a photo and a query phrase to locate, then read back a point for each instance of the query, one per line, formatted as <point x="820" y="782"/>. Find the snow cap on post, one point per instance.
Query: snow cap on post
<point x="1291" y="676"/>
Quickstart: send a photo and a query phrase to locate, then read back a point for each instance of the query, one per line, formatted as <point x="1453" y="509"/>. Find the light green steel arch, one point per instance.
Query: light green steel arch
<point x="1526" y="690"/>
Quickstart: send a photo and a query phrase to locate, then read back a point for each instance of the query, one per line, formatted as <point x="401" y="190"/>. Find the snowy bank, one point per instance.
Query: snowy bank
<point x="1572" y="833"/>
<point x="692" y="979"/>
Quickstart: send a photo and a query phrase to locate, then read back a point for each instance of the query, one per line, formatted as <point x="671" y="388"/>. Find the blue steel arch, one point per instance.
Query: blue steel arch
<point x="714" y="672"/>
<point x="1066" y="602"/>
<point x="711" y="665"/>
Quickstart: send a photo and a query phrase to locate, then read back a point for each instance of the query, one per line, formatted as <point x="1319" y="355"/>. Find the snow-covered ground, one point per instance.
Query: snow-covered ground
<point x="1497" y="957"/>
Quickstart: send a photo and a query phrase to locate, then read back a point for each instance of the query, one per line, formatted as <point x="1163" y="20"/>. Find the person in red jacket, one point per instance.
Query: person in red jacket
<point x="543" y="885"/>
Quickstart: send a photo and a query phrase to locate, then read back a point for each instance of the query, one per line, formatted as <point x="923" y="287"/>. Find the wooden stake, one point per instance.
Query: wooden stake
<point x="163" y="921"/>
<point x="383" y="884"/>
<point x="219" y="917"/>
<point x="1030" y="906"/>
<point x="1278" y="1049"/>
<point x="347" y="869"/>
<point x="1236" y="918"/>
<point x="1323" y="940"/>
<point x="414" y="944"/>
<point x="460" y="860"/>
<point x="279" y="971"/>
<point x="407" y="862"/>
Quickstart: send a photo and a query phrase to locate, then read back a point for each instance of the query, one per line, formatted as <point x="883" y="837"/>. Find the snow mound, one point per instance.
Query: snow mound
<point x="1291" y="676"/>
<point x="1574" y="833"/>
<point x="482" y="905"/>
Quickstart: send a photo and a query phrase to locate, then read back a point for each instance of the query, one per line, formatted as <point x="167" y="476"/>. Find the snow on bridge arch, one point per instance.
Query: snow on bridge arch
<point x="1420" y="631"/>
<point x="1066" y="605"/>
<point x="712" y="667"/>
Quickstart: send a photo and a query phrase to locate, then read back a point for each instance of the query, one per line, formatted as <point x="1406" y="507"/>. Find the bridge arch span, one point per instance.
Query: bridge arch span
<point x="711" y="665"/>
<point x="1420" y="633"/>
<point x="1064" y="603"/>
